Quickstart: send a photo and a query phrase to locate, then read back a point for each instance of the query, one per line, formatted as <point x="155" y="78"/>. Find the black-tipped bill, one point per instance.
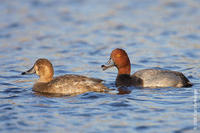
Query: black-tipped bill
<point x="30" y="71"/>
<point x="109" y="64"/>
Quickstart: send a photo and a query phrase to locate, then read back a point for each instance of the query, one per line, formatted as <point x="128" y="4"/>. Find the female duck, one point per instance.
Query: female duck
<point x="151" y="78"/>
<point x="66" y="84"/>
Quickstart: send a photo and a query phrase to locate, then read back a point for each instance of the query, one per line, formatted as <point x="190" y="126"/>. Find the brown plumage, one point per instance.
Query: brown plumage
<point x="66" y="84"/>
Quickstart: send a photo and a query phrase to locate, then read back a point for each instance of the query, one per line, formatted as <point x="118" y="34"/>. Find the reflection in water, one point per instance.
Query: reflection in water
<point x="124" y="90"/>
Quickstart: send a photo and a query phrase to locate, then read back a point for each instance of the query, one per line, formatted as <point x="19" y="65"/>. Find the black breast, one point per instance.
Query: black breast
<point x="127" y="80"/>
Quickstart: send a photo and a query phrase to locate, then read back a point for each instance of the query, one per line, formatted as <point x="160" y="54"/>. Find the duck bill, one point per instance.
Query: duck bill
<point x="109" y="64"/>
<point x="30" y="71"/>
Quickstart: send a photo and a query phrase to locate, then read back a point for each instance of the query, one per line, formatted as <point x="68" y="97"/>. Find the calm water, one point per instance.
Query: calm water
<point x="78" y="36"/>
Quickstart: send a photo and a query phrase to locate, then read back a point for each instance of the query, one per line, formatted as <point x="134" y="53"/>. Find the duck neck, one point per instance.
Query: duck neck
<point x="45" y="79"/>
<point x="124" y="70"/>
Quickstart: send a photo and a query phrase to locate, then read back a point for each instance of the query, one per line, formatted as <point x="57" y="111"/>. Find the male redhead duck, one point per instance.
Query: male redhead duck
<point x="66" y="84"/>
<point x="151" y="78"/>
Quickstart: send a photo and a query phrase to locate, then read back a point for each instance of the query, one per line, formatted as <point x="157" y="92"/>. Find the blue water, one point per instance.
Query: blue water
<point x="77" y="36"/>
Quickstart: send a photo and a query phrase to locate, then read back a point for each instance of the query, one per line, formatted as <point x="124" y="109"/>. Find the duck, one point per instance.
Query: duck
<point x="146" y="78"/>
<point x="68" y="84"/>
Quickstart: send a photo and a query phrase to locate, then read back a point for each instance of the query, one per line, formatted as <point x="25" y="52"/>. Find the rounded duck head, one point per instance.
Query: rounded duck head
<point x="119" y="59"/>
<point x="43" y="68"/>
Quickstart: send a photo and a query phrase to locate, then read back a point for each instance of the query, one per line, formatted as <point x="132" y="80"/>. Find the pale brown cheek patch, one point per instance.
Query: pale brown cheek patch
<point x="36" y="70"/>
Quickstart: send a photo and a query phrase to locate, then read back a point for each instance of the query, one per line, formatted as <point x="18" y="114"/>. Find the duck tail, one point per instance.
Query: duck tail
<point x="188" y="84"/>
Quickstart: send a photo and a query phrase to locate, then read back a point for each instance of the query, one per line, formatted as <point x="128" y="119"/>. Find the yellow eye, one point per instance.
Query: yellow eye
<point x="118" y="55"/>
